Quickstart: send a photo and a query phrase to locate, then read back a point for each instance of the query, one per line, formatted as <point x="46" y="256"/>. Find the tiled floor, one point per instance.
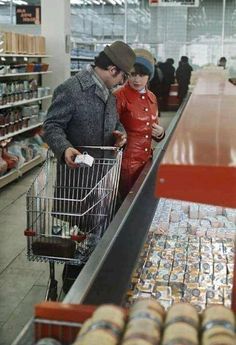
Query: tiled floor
<point x="22" y="283"/>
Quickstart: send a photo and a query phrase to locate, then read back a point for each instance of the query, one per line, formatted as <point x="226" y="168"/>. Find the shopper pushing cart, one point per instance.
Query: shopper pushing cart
<point x="83" y="113"/>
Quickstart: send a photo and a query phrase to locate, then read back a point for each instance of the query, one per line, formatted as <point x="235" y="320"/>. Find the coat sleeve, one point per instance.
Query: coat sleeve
<point x="59" y="114"/>
<point x="120" y="109"/>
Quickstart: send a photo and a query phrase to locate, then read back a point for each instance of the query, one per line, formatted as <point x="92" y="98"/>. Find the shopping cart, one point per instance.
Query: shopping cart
<point x="68" y="210"/>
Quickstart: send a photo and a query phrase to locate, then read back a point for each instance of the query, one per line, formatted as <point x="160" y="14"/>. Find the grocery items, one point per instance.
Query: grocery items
<point x="145" y="322"/>
<point x="105" y="327"/>
<point x="188" y="256"/>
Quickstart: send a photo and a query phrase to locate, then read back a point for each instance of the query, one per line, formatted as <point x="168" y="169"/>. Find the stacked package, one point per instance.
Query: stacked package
<point x="147" y="323"/>
<point x="15" y="43"/>
<point x="188" y="256"/>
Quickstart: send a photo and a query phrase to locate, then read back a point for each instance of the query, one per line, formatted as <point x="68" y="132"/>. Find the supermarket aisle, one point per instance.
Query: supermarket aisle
<point x="22" y="283"/>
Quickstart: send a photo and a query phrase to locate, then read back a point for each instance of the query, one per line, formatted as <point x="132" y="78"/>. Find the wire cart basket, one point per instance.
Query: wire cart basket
<point x="68" y="210"/>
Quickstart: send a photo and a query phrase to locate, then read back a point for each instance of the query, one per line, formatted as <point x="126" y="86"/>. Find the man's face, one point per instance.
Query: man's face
<point x="116" y="77"/>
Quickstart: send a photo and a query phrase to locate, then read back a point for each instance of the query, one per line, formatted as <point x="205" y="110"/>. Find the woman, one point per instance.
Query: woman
<point x="137" y="107"/>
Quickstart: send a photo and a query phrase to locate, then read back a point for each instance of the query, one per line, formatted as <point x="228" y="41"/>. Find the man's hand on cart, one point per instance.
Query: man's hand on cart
<point x="70" y="154"/>
<point x="121" y="138"/>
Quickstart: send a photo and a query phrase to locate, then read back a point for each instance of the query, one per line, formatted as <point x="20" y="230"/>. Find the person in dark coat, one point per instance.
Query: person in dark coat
<point x="156" y="81"/>
<point x="83" y="113"/>
<point x="183" y="75"/>
<point x="168" y="72"/>
<point x="222" y="62"/>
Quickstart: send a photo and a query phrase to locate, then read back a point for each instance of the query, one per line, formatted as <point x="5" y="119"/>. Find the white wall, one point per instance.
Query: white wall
<point x="55" y="27"/>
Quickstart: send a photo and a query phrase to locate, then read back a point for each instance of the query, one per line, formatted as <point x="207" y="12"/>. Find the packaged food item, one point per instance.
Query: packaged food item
<point x="180" y="333"/>
<point x="218" y="312"/>
<point x="105" y="327"/>
<point x="162" y="292"/>
<point x="220" y="339"/>
<point x="182" y="312"/>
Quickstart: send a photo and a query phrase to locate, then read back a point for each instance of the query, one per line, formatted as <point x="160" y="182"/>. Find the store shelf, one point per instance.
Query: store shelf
<point x="89" y="58"/>
<point x="25" y="55"/>
<point x="199" y="164"/>
<point x="16" y="104"/>
<point x="15" y="174"/>
<point x="23" y="130"/>
<point x="23" y="74"/>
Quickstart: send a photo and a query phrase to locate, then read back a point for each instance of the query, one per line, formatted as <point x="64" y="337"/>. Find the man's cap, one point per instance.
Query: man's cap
<point x="121" y="55"/>
<point x="145" y="58"/>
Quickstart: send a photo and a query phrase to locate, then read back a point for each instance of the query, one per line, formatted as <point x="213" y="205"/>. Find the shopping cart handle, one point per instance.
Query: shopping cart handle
<point x="108" y="148"/>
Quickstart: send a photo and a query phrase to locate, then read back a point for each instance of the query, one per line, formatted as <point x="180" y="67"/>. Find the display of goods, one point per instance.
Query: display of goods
<point x="10" y="159"/>
<point x="144" y="323"/>
<point x="188" y="256"/>
<point x="3" y="164"/>
<point x="15" y="43"/>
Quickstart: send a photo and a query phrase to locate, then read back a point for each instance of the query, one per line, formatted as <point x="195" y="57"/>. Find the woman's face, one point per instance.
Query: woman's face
<point x="138" y="81"/>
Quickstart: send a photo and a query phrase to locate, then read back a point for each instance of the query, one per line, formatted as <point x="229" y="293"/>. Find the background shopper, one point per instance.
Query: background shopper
<point x="222" y="62"/>
<point x="183" y="75"/>
<point x="138" y="109"/>
<point x="155" y="84"/>
<point x="168" y="72"/>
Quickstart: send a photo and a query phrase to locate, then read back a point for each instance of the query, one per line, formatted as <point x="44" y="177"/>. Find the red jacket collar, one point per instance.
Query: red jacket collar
<point x="131" y="93"/>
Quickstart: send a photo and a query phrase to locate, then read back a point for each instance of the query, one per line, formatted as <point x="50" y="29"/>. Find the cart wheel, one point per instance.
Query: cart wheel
<point x="52" y="292"/>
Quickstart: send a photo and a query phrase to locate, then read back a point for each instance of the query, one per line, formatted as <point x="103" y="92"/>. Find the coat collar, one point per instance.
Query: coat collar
<point x="85" y="79"/>
<point x="131" y="94"/>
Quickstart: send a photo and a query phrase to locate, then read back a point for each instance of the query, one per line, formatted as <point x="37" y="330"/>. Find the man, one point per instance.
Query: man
<point x="83" y="110"/>
<point x="168" y="71"/>
<point x="155" y="83"/>
<point x="183" y="76"/>
<point x="83" y="113"/>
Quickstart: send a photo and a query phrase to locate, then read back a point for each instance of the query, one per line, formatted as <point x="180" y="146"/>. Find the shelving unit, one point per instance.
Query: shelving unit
<point x="16" y="173"/>
<point x="25" y="55"/>
<point x="16" y="104"/>
<point x="89" y="58"/>
<point x="23" y="130"/>
<point x="78" y="58"/>
<point x="18" y="58"/>
<point x="22" y="74"/>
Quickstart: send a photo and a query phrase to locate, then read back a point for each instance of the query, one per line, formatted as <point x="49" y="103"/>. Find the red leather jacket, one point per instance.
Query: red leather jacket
<point x="138" y="111"/>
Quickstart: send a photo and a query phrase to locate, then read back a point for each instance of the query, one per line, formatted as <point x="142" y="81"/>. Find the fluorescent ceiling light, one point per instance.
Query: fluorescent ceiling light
<point x="20" y="2"/>
<point x="113" y="2"/>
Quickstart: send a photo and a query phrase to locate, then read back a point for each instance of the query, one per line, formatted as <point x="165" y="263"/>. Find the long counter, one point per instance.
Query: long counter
<point x="201" y="154"/>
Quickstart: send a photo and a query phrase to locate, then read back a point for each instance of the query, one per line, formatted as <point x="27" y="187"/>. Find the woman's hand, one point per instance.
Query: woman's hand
<point x="158" y="132"/>
<point x="69" y="155"/>
<point x="121" y="138"/>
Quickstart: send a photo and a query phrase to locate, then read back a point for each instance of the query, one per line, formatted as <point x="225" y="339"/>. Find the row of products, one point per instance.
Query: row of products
<point x="179" y="218"/>
<point x="75" y="64"/>
<point x="15" y="119"/>
<point x="78" y="52"/>
<point x="15" y="43"/>
<point x="21" y="90"/>
<point x="173" y="269"/>
<point x="23" y="68"/>
<point x="14" y="155"/>
<point x="146" y="323"/>
<point x="180" y="263"/>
